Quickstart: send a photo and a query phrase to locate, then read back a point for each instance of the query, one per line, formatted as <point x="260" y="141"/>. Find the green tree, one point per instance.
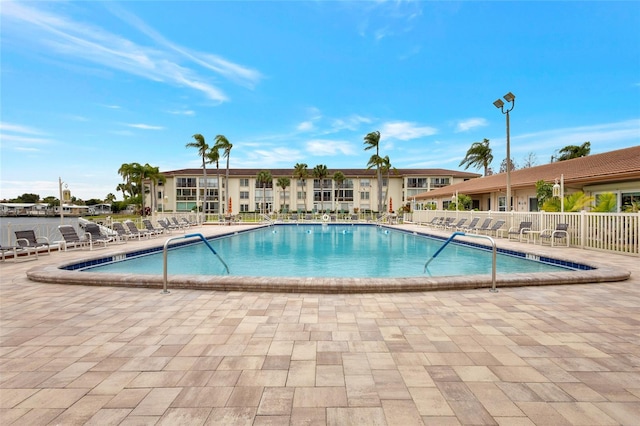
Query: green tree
<point x="264" y="179"/>
<point x="153" y="175"/>
<point x="572" y="151"/>
<point x="28" y="198"/>
<point x="110" y="198"/>
<point x="574" y="202"/>
<point x="283" y="182"/>
<point x="320" y="172"/>
<point x="223" y="143"/>
<point x="606" y="203"/>
<point x="503" y="166"/>
<point x="202" y="148"/>
<point x="128" y="172"/>
<point x="372" y="140"/>
<point x="213" y="156"/>
<point x="339" y="178"/>
<point x="478" y="155"/>
<point x="301" y="173"/>
<point x="544" y="191"/>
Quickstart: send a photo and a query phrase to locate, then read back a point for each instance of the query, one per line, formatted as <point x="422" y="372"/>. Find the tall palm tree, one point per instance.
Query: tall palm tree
<point x="479" y="155"/>
<point x="154" y="176"/>
<point x="223" y="143"/>
<point x="339" y="178"/>
<point x="372" y="140"/>
<point x="202" y="148"/>
<point x="213" y="156"/>
<point x="320" y="172"/>
<point x="263" y="178"/>
<point x="573" y="151"/>
<point x="386" y="167"/>
<point x="126" y="170"/>
<point x="284" y="182"/>
<point x="301" y="173"/>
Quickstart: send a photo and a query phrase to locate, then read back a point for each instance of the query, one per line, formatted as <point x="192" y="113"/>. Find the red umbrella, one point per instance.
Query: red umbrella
<point x="390" y="205"/>
<point x="230" y="209"/>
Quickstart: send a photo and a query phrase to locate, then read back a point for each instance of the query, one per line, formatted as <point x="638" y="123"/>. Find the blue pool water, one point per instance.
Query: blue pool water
<point x="326" y="251"/>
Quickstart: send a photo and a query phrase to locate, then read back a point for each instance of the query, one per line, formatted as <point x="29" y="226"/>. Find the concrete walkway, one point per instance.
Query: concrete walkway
<point x="551" y="355"/>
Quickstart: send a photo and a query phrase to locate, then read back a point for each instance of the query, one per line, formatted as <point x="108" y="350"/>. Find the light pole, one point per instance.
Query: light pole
<point x="510" y="98"/>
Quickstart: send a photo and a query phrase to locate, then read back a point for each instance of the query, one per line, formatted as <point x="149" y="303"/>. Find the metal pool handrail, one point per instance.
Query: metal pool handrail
<point x="493" y="244"/>
<point x="164" y="256"/>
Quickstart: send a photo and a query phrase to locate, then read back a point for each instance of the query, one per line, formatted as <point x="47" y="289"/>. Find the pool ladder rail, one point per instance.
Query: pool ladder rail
<point x="493" y="244"/>
<point x="164" y="256"/>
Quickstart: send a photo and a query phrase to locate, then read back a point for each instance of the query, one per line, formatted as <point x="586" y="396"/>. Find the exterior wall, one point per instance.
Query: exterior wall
<point x="170" y="197"/>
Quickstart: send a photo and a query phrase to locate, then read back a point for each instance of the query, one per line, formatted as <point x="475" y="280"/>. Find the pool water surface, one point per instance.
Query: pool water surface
<point x="304" y="250"/>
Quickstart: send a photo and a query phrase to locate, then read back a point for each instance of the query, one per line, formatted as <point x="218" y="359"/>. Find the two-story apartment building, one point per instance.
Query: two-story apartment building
<point x="184" y="190"/>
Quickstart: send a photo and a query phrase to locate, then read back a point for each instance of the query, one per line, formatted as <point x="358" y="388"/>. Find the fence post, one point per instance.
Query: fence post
<point x="583" y="228"/>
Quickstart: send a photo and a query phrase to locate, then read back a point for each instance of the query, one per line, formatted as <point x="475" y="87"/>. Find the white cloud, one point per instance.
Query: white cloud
<point x="470" y="123"/>
<point x="352" y="122"/>
<point x="145" y="126"/>
<point x="404" y="130"/>
<point x="305" y="126"/>
<point x="64" y="37"/>
<point x="182" y="112"/>
<point x="324" y="147"/>
<point x="17" y="128"/>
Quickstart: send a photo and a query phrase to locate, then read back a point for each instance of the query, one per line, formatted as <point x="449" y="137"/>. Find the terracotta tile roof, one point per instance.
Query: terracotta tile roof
<point x="347" y="172"/>
<point x="608" y="167"/>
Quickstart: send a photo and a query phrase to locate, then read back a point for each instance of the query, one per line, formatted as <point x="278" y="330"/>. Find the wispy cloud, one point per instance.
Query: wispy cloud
<point x="352" y="123"/>
<point x="405" y="130"/>
<point x="17" y="128"/>
<point x="182" y="112"/>
<point x="470" y="123"/>
<point x="145" y="126"/>
<point x="272" y="157"/>
<point x="305" y="126"/>
<point x="62" y="36"/>
<point x="325" y="147"/>
<point x="22" y="138"/>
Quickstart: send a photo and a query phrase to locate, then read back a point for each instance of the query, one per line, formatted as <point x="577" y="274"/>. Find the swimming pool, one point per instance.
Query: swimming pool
<point x="341" y="251"/>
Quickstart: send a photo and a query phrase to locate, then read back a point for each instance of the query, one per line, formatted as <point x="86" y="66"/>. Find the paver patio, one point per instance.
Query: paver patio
<point x="550" y="355"/>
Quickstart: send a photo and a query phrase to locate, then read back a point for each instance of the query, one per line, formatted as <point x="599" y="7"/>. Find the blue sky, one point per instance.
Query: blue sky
<point x="88" y="86"/>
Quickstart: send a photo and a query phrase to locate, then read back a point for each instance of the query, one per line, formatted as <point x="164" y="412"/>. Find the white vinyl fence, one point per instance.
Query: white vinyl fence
<point x="613" y="232"/>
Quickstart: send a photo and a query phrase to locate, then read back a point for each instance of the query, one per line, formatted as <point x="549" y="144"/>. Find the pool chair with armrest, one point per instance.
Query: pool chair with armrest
<point x="133" y="230"/>
<point x="168" y="227"/>
<point x="152" y="229"/>
<point x="27" y="238"/>
<point x="552" y="236"/>
<point x="446" y="223"/>
<point x="519" y="232"/>
<point x="185" y="222"/>
<point x="71" y="239"/>
<point x="483" y="227"/>
<point x="96" y="236"/>
<point x="472" y="224"/>
<point x="175" y="222"/>
<point x="121" y="231"/>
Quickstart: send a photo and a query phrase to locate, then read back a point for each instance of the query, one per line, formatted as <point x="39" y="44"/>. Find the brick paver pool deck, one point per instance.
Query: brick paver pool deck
<point x="533" y="355"/>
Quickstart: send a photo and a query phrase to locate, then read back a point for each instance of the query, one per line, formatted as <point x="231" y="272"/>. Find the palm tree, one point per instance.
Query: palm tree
<point x="263" y="178"/>
<point x="122" y="187"/>
<point x="213" y="156"/>
<point x="320" y="172"/>
<point x="386" y="167"/>
<point x="573" y="151"/>
<point x="110" y="198"/>
<point x="223" y="143"/>
<point x="339" y="178"/>
<point x="284" y="182"/>
<point x="372" y="140"/>
<point x="479" y="155"/>
<point x="127" y="171"/>
<point x="301" y="174"/>
<point x="154" y="176"/>
<point x="377" y="162"/>
<point x="202" y="147"/>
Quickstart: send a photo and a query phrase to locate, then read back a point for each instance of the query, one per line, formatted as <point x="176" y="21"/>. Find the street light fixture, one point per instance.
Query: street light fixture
<point x="510" y="98"/>
<point x="558" y="191"/>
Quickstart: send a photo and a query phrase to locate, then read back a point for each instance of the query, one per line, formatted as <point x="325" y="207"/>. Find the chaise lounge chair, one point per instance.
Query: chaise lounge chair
<point x="471" y="225"/>
<point x="552" y="235"/>
<point x="16" y="250"/>
<point x="96" y="235"/>
<point x="520" y="231"/>
<point x="456" y="225"/>
<point x="152" y="229"/>
<point x="133" y="230"/>
<point x="27" y="238"/>
<point x="493" y="230"/>
<point x="72" y="239"/>
<point x="122" y="233"/>
<point x="484" y="227"/>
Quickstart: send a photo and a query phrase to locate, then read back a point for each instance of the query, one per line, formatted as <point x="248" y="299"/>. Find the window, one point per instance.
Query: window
<point x="212" y="182"/>
<point x="365" y="183"/>
<point x="628" y="199"/>
<point x="439" y="182"/>
<point x="244" y="195"/>
<point x="364" y="195"/>
<point x="417" y="182"/>
<point x="244" y="208"/>
<point x="302" y="195"/>
<point x="244" y="182"/>
<point x="186" y="182"/>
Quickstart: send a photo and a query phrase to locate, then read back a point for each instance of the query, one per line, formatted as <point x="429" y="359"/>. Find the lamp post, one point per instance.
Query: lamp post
<point x="61" y="212"/>
<point x="558" y="191"/>
<point x="510" y="98"/>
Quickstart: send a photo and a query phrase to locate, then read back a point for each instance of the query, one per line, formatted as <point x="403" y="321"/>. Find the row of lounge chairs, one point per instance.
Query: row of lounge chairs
<point x="522" y="232"/>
